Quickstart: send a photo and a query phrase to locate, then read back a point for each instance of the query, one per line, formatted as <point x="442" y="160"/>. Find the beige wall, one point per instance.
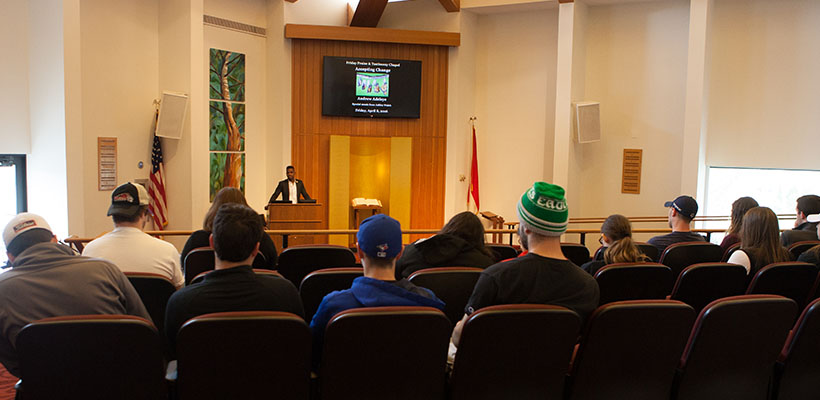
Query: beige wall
<point x="763" y="84"/>
<point x="14" y="103"/>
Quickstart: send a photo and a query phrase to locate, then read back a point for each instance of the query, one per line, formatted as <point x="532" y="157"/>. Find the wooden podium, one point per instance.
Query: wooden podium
<point x="289" y="216"/>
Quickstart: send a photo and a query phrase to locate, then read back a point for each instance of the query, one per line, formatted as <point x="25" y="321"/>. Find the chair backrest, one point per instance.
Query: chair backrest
<point x="733" y="348"/>
<point x="799" y="363"/>
<point x="729" y="250"/>
<point x="681" y="255"/>
<point x="648" y="250"/>
<point x="257" y="271"/>
<point x="197" y="261"/>
<point x="575" y="252"/>
<point x="794" y="280"/>
<point x="320" y="283"/>
<point x="154" y="291"/>
<point x="296" y="262"/>
<point x="453" y="285"/>
<point x="502" y="251"/>
<point x="630" y="350"/>
<point x="244" y="355"/>
<point x="703" y="283"/>
<point x="516" y="351"/>
<point x="91" y="357"/>
<point x="633" y="281"/>
<point x="402" y="349"/>
<point x="798" y="248"/>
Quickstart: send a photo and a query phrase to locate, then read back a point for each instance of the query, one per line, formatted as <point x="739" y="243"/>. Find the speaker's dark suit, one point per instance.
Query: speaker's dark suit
<point x="285" y="190"/>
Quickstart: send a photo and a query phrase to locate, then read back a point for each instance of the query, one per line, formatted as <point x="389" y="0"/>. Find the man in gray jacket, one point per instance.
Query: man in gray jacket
<point x="48" y="280"/>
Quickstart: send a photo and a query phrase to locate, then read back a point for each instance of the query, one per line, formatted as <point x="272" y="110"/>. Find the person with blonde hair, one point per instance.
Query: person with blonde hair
<point x="616" y="237"/>
<point x="227" y="195"/>
<point x="739" y="208"/>
<point x="760" y="241"/>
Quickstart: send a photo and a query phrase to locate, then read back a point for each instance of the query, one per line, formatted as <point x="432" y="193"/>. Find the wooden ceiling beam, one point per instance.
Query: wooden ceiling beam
<point x="368" y="13"/>
<point x="451" y="5"/>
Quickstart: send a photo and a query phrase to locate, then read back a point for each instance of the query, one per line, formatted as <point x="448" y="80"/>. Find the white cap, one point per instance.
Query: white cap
<point x="813" y="218"/>
<point x="23" y="222"/>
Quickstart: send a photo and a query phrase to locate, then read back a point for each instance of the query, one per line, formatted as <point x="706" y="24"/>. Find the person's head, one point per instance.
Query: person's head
<point x="682" y="211"/>
<point x="616" y="232"/>
<point x="467" y="226"/>
<point x="226" y="195"/>
<point x="739" y="208"/>
<point x="290" y="172"/>
<point x="543" y="212"/>
<point x="23" y="231"/>
<point x="807" y="205"/>
<point x="129" y="205"/>
<point x="760" y="233"/>
<point x="814" y="218"/>
<point x="236" y="232"/>
<point x="379" y="242"/>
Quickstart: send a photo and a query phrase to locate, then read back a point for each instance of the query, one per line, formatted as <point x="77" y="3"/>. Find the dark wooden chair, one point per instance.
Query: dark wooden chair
<point x="201" y="259"/>
<point x="502" y="251"/>
<point x="794" y="280"/>
<point x="154" y="291"/>
<point x="728" y="253"/>
<point x="648" y="250"/>
<point x="453" y="285"/>
<point x="320" y="283"/>
<point x="733" y="347"/>
<point x="630" y="350"/>
<point x="703" y="283"/>
<point x="402" y="350"/>
<point x="296" y="262"/>
<point x="244" y="355"/>
<point x="798" y="248"/>
<point x="681" y="255"/>
<point x="91" y="357"/>
<point x="633" y="281"/>
<point x="798" y="366"/>
<point x="575" y="252"/>
<point x="517" y="351"/>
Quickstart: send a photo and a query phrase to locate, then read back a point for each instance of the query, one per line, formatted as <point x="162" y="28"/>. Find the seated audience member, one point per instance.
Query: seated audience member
<point x="803" y="229"/>
<point x="812" y="255"/>
<point x="48" y="279"/>
<point x="759" y="245"/>
<point x="616" y="237"/>
<point x="227" y="195"/>
<point x="739" y="208"/>
<point x="544" y="275"/>
<point x="127" y="246"/>
<point x="232" y="286"/>
<point x="379" y="244"/>
<point x="682" y="211"/>
<point x="459" y="243"/>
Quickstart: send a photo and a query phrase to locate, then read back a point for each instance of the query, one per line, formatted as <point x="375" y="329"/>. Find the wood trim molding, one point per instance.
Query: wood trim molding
<point x="368" y="13"/>
<point x="373" y="35"/>
<point x="559" y="1"/>
<point x="451" y="5"/>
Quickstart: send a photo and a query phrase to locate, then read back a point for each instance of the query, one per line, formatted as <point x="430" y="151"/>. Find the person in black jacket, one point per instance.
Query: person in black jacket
<point x="459" y="243"/>
<point x="284" y="187"/>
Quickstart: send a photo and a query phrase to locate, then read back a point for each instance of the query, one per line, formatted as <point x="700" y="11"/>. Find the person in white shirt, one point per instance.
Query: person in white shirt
<point x="127" y="246"/>
<point x="290" y="188"/>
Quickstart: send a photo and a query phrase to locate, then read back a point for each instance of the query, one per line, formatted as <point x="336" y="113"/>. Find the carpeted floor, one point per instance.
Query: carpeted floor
<point x="7" y="382"/>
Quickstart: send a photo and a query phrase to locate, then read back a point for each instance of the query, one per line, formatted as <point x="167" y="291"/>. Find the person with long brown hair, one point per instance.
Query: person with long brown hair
<point x="227" y="195"/>
<point x="616" y="237"/>
<point x="760" y="241"/>
<point x="460" y="242"/>
<point x="739" y="208"/>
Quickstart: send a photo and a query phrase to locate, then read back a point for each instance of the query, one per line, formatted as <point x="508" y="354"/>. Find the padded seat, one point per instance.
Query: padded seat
<point x="91" y="357"/>
<point x="154" y="291"/>
<point x="502" y="251"/>
<point x="681" y="255"/>
<point x="453" y="285"/>
<point x="385" y="353"/>
<point x="633" y="281"/>
<point x="798" y="366"/>
<point x="244" y="355"/>
<point x="320" y="283"/>
<point x="794" y="280"/>
<point x="703" y="283"/>
<point x="516" y="351"/>
<point x="733" y="348"/>
<point x="296" y="262"/>
<point x="798" y="248"/>
<point x="201" y="259"/>
<point x="728" y="253"/>
<point x="575" y="252"/>
<point x="630" y="350"/>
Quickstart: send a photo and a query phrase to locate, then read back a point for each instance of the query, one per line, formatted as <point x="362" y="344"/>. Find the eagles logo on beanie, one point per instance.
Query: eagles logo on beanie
<point x="543" y="208"/>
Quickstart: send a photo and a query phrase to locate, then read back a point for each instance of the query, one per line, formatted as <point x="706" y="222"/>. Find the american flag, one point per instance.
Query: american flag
<point x="156" y="189"/>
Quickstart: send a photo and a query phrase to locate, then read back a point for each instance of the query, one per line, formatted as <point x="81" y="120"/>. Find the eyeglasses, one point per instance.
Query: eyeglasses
<point x="601" y="239"/>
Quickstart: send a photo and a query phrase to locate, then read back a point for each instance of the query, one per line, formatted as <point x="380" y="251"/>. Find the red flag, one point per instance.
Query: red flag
<point x="156" y="188"/>
<point x="474" y="175"/>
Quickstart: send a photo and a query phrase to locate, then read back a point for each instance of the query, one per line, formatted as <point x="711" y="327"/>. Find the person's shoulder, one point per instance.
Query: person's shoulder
<point x="275" y="282"/>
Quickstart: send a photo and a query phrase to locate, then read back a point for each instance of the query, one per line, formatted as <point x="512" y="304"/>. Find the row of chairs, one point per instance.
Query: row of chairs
<point x="736" y="348"/>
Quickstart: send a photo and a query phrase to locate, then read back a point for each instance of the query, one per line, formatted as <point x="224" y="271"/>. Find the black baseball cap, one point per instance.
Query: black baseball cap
<point x="127" y="198"/>
<point x="685" y="205"/>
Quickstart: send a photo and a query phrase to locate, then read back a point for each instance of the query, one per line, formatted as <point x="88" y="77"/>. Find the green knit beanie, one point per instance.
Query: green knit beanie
<point x="544" y="209"/>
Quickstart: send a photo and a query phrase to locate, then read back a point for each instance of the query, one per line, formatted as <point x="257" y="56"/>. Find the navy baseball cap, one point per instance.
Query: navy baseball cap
<point x="127" y="198"/>
<point x="380" y="237"/>
<point x="685" y="205"/>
